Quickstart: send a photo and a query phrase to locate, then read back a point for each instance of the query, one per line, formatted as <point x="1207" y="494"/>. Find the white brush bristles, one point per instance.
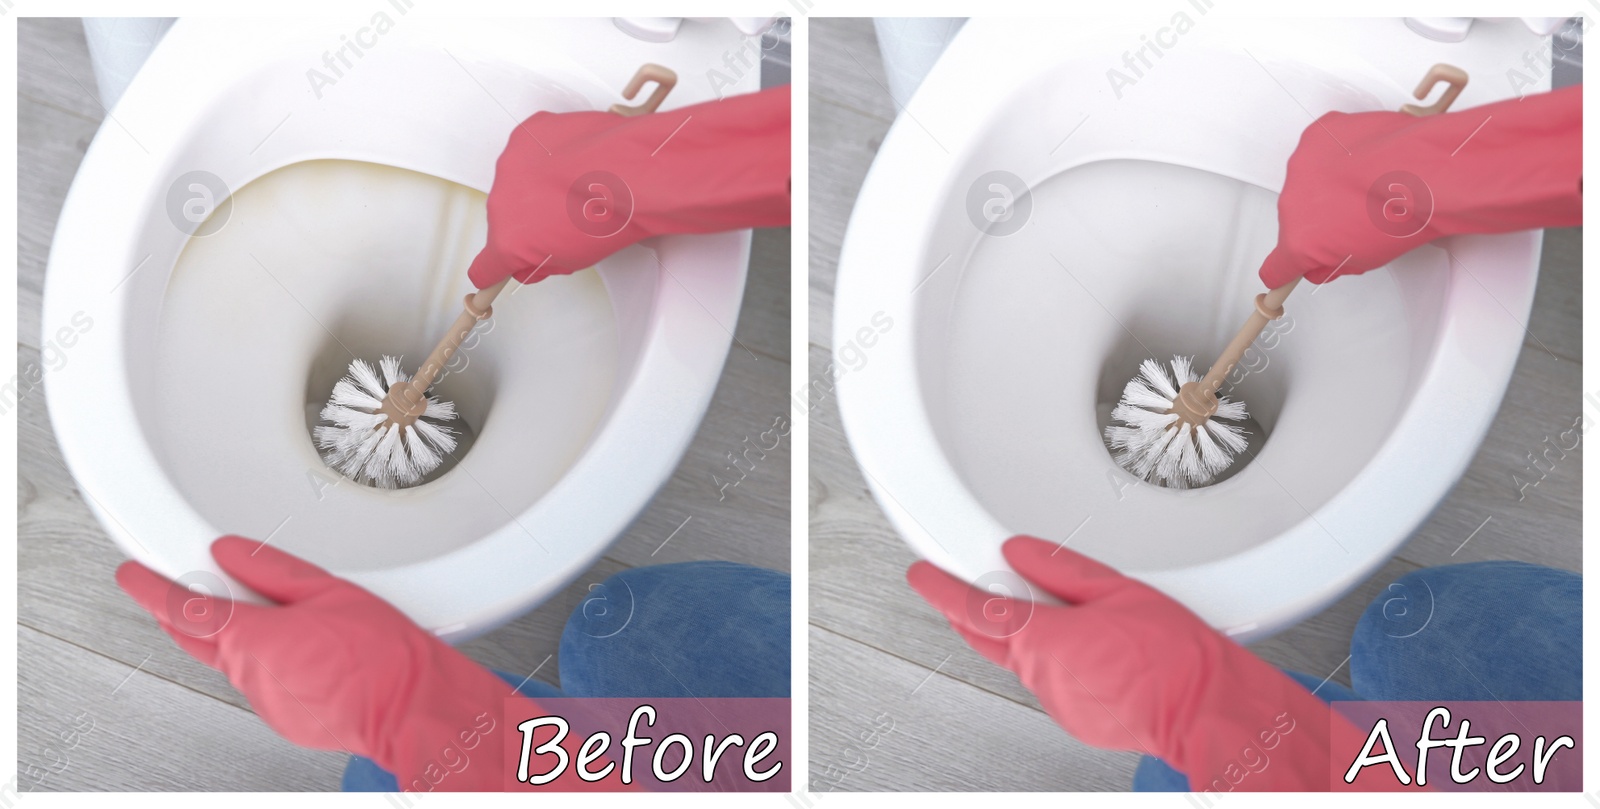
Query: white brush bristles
<point x="1154" y="445"/>
<point x="361" y="444"/>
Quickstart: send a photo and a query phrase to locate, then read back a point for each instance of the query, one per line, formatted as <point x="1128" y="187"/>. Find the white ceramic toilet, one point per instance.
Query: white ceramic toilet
<point x="349" y="162"/>
<point x="978" y="413"/>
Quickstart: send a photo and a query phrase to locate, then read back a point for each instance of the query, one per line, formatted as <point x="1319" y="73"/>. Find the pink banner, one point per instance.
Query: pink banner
<point x="1465" y="746"/>
<point x="653" y="745"/>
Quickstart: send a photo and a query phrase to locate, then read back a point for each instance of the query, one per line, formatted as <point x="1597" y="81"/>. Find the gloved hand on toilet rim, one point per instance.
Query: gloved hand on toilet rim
<point x="333" y="667"/>
<point x="1125" y="667"/>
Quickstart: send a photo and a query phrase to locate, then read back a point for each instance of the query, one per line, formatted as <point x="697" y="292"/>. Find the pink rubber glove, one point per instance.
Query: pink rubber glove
<point x="1366" y="187"/>
<point x="572" y="188"/>
<point x="334" y="667"/>
<point x="1127" y="668"/>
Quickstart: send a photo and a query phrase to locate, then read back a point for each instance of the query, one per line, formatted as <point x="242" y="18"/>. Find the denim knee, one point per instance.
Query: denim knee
<point x="703" y="629"/>
<point x="1476" y="631"/>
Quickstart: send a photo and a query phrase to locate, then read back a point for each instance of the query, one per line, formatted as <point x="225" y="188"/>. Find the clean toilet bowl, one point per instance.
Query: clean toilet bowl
<point x="978" y="414"/>
<point x="347" y="215"/>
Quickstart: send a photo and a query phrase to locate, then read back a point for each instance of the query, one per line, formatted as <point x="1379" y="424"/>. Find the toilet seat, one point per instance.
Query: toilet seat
<point x="1226" y="101"/>
<point x="246" y="108"/>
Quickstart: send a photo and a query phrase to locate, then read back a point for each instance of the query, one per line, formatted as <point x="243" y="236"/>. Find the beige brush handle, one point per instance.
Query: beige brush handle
<point x="1269" y="307"/>
<point x="1197" y="401"/>
<point x="407" y="400"/>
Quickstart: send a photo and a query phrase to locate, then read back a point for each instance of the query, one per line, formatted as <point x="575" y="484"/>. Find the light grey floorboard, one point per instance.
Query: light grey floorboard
<point x="883" y="723"/>
<point x="51" y="139"/>
<point x="852" y="74"/>
<point x="53" y="66"/>
<point x="88" y="726"/>
<point x="766" y="330"/>
<point x="844" y="141"/>
<point x="1557" y="321"/>
<point x="78" y="627"/>
<point x="870" y="632"/>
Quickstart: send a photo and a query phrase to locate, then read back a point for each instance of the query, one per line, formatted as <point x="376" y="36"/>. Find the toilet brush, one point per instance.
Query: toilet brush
<point x="1170" y="428"/>
<point x="387" y="431"/>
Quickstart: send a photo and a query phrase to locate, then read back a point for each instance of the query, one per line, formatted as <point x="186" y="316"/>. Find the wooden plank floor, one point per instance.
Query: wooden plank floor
<point x="880" y="655"/>
<point x="87" y="653"/>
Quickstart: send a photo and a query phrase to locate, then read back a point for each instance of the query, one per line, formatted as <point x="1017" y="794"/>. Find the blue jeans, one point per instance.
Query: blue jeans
<point x="694" y="629"/>
<point x="1478" y="631"/>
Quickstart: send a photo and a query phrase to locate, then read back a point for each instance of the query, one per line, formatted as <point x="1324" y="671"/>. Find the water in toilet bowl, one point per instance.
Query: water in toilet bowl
<point x="323" y="261"/>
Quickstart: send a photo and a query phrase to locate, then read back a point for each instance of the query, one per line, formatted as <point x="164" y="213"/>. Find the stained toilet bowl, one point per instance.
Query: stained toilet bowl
<point x="346" y="217"/>
<point x="978" y="415"/>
